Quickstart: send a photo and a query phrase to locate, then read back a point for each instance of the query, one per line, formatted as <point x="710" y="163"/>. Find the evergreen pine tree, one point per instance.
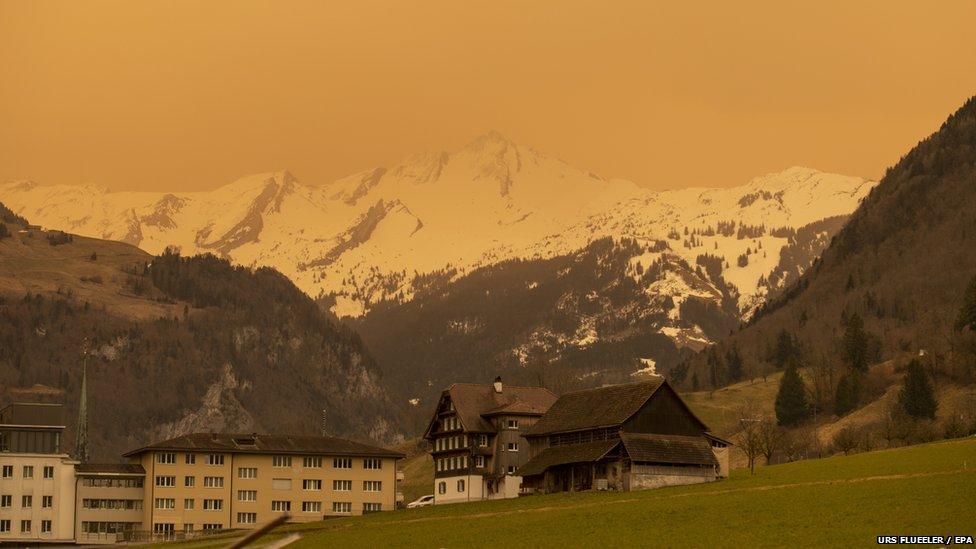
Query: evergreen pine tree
<point x="791" y="400"/>
<point x="917" y="398"/>
<point x="715" y="368"/>
<point x="848" y="393"/>
<point x="856" y="344"/>
<point x="967" y="314"/>
<point x="784" y="349"/>
<point x="733" y="363"/>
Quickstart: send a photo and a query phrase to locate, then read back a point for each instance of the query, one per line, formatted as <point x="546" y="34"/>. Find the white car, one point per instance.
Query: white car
<point x="423" y="501"/>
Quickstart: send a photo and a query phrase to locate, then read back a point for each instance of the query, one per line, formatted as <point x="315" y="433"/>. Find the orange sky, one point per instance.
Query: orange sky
<point x="185" y="95"/>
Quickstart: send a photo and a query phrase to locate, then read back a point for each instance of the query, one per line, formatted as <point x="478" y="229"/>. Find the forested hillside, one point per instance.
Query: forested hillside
<point x="891" y="286"/>
<point x="177" y="344"/>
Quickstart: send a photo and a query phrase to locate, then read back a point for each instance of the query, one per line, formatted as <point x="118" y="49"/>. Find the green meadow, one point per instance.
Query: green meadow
<point x="841" y="501"/>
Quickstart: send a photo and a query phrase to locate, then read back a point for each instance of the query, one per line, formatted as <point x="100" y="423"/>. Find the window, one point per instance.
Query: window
<point x="479" y="461"/>
<point x="165" y="457"/>
<point x="163" y="527"/>
<point x="47" y="502"/>
<point x="187" y="527"/>
<point x="189" y="482"/>
<point x="5" y="500"/>
<point x="372" y="486"/>
<point x="189" y="503"/>
<point x="111" y="483"/>
<point x="247" y="472"/>
<point x="215" y="459"/>
<point x="191" y="459"/>
<point x="511" y="469"/>
<point x="451" y="423"/>
<point x="483" y="441"/>
<point x="210" y="527"/>
<point x="48" y="471"/>
<point x="372" y="507"/>
<point x="26" y="501"/>
<point x="312" y="461"/>
<point x="281" y="484"/>
<point x="247" y="518"/>
<point x="165" y="503"/>
<point x="28" y="471"/>
<point x="512" y="424"/>
<point x="281" y="461"/>
<point x="8" y="471"/>
<point x="341" y="485"/>
<point x="312" y="484"/>
<point x="213" y="504"/>
<point x="111" y="504"/>
<point x="247" y="495"/>
<point x="441" y="487"/>
<point x="4" y="525"/>
<point x="460" y="485"/>
<point x="45" y="527"/>
<point x="213" y="482"/>
<point x="311" y="506"/>
<point x="513" y="446"/>
<point x="281" y="506"/>
<point x="165" y="481"/>
<point x="342" y="507"/>
<point x="25" y="526"/>
<point x="372" y="463"/>
<point x="342" y="463"/>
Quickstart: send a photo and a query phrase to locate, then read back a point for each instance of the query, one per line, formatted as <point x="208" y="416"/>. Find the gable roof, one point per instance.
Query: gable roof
<point x="676" y="449"/>
<point x="586" y="452"/>
<point x="266" y="444"/>
<point x="475" y="403"/>
<point x="594" y="408"/>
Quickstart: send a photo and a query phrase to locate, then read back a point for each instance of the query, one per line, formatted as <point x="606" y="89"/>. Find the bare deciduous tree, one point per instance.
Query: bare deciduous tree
<point x="751" y="442"/>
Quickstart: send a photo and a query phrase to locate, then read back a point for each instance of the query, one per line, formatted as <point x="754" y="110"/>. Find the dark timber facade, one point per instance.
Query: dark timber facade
<point x="477" y="439"/>
<point x="621" y="437"/>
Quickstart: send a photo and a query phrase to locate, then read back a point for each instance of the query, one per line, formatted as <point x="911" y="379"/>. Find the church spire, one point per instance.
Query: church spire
<point x="81" y="440"/>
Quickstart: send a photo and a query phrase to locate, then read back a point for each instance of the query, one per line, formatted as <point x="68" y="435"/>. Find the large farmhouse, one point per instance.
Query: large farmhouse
<point x="621" y="437"/>
<point x="477" y="439"/>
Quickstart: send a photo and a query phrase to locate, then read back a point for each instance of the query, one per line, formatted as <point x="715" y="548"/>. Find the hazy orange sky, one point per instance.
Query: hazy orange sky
<point x="186" y="95"/>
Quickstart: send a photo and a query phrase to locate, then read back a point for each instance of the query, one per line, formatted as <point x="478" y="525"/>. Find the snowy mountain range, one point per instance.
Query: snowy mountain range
<point x="372" y="236"/>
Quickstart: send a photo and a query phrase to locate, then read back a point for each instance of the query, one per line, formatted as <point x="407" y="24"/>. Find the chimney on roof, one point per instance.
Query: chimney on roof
<point x="498" y="384"/>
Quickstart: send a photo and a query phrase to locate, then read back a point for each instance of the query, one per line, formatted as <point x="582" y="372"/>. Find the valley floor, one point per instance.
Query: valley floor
<point x="842" y="501"/>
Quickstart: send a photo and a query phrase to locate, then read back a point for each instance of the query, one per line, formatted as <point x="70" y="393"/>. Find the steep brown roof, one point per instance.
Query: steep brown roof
<point x="110" y="469"/>
<point x="592" y="408"/>
<point x="570" y="453"/>
<point x="473" y="402"/>
<point x="674" y="449"/>
<point x="267" y="444"/>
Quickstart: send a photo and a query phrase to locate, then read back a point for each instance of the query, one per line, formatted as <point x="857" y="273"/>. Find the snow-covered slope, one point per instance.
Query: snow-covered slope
<point x="365" y="237"/>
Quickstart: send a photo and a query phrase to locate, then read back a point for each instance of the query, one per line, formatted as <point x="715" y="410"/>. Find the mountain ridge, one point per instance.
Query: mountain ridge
<point x="362" y="239"/>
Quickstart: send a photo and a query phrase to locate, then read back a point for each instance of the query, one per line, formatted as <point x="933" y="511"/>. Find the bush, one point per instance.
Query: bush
<point x="847" y="439"/>
<point x="57" y="238"/>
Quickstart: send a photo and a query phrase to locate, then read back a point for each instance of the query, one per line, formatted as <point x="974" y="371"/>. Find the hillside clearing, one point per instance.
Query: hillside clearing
<point x="839" y="501"/>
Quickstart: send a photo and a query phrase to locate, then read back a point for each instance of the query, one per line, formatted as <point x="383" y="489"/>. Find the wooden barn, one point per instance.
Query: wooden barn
<point x="621" y="437"/>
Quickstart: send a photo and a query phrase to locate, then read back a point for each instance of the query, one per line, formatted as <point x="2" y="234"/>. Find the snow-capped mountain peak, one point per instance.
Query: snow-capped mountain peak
<point x="367" y="236"/>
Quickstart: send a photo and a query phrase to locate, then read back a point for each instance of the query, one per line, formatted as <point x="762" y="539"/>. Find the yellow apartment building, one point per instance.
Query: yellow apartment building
<point x="109" y="501"/>
<point x="36" y="476"/>
<point x="211" y="481"/>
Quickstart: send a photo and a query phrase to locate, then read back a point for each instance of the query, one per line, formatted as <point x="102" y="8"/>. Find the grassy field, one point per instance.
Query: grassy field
<point x="28" y="263"/>
<point x="841" y="501"/>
